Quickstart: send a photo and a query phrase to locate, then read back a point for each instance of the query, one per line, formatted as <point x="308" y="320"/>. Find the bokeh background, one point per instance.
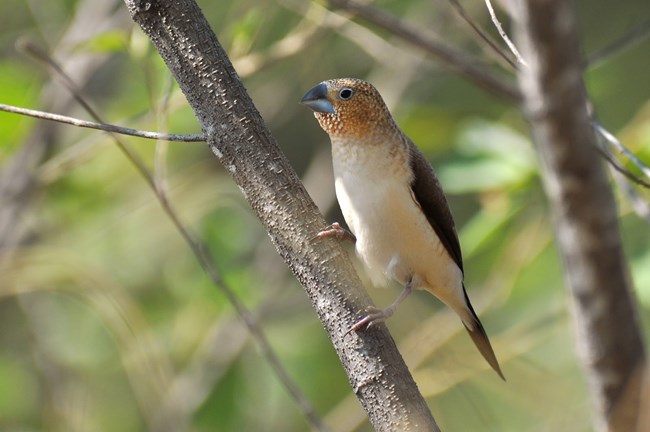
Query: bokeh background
<point x="108" y="323"/>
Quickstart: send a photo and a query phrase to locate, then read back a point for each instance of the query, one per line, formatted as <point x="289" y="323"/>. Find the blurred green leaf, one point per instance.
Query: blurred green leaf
<point x="18" y="86"/>
<point x="495" y="158"/>
<point x="113" y="41"/>
<point x="19" y="398"/>
<point x="243" y="31"/>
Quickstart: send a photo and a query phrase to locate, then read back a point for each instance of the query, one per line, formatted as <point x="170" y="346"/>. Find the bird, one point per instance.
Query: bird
<point x="393" y="204"/>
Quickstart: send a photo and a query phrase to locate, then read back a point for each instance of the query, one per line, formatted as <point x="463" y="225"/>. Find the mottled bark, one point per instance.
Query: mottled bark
<point x="608" y="335"/>
<point x="242" y="143"/>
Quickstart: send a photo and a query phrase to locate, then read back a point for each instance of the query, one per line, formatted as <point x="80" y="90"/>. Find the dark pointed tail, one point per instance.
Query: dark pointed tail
<point x="480" y="338"/>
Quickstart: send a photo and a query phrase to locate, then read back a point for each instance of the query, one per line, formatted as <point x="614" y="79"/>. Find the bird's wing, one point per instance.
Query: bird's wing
<point x="429" y="195"/>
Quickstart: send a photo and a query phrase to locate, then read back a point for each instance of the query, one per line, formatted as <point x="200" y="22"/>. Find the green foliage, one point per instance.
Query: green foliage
<point x="105" y="314"/>
<point x="107" y="42"/>
<point x="17" y="87"/>
<point x="496" y="158"/>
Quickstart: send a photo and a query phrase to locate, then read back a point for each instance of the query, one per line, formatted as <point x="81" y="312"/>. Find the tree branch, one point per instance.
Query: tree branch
<point x="503" y="34"/>
<point x="587" y="232"/>
<point x="238" y="137"/>
<point x="201" y="252"/>
<point x="101" y="126"/>
<point x="449" y="57"/>
<point x="612" y="140"/>
<point x="482" y="34"/>
<point x="632" y="37"/>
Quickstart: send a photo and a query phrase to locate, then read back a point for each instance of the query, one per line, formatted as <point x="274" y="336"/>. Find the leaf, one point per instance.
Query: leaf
<point x="107" y="42"/>
<point x="496" y="158"/>
<point x="17" y="87"/>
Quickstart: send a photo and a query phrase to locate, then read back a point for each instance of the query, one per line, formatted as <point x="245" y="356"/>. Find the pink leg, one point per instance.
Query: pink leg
<point x="375" y="316"/>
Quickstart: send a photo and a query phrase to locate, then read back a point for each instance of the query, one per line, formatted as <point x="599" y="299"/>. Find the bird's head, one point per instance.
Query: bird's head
<point x="348" y="108"/>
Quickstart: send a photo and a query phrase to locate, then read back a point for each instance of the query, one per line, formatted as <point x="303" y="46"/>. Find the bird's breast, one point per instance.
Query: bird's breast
<point x="394" y="238"/>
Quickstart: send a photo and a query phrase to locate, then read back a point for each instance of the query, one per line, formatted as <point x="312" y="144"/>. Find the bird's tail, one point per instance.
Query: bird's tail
<point x="480" y="338"/>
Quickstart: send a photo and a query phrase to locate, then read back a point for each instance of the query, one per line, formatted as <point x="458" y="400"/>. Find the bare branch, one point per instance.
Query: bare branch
<point x="202" y="254"/>
<point x="623" y="177"/>
<point x="101" y="126"/>
<point x="616" y="166"/>
<point x="621" y="148"/>
<point x="381" y="50"/>
<point x="503" y="34"/>
<point x="17" y="175"/>
<point x="482" y="34"/>
<point x="449" y="57"/>
<point x="239" y="138"/>
<point x="632" y="37"/>
<point x="586" y="224"/>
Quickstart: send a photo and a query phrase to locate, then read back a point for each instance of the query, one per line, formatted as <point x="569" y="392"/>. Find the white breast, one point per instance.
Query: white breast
<point x="394" y="238"/>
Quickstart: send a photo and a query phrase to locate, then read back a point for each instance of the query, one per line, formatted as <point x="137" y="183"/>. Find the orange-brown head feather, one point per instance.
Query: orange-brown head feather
<point x="349" y="108"/>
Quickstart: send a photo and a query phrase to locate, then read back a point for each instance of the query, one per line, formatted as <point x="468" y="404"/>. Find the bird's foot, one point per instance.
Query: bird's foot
<point x="336" y="230"/>
<point x="373" y="317"/>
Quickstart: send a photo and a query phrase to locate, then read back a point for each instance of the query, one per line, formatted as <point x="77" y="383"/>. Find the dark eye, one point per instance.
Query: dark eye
<point x="346" y="93"/>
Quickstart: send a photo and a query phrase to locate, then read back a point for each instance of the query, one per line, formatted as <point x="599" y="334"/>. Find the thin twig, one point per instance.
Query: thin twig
<point x="452" y="58"/>
<point x="205" y="259"/>
<point x="481" y="33"/>
<point x="616" y="165"/>
<point x="629" y="39"/>
<point x="102" y="126"/>
<point x="621" y="148"/>
<point x="503" y="34"/>
<point x="597" y="126"/>
<point x="381" y="50"/>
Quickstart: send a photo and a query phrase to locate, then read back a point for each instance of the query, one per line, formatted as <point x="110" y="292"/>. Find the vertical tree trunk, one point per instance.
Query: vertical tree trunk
<point x="238" y="137"/>
<point x="609" y="338"/>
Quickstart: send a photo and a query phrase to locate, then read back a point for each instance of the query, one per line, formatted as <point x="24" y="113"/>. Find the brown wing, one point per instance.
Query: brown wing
<point x="429" y="195"/>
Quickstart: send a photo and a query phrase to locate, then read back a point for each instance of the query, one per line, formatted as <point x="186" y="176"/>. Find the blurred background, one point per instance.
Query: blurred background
<point x="108" y="323"/>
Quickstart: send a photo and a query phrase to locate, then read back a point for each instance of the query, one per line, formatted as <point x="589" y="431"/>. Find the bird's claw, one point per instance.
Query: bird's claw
<point x="373" y="316"/>
<point x="336" y="230"/>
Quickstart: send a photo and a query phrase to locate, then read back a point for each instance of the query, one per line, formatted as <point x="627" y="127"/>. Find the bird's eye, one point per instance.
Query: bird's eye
<point x="345" y="93"/>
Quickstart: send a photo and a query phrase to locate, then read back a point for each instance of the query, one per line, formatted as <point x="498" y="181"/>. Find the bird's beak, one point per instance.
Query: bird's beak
<point x="316" y="99"/>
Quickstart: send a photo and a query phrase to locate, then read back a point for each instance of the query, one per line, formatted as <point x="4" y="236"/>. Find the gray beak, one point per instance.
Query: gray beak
<point x="316" y="99"/>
